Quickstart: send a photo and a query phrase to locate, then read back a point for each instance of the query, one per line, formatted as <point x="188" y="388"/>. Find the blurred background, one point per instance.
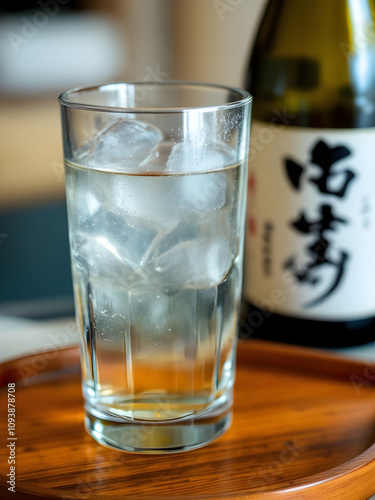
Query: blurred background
<point x="48" y="46"/>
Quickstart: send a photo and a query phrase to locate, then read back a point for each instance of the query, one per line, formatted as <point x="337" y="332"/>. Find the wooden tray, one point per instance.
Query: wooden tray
<point x="303" y="428"/>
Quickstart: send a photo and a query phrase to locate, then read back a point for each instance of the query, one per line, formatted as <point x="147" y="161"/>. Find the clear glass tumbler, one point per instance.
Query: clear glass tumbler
<point x="155" y="184"/>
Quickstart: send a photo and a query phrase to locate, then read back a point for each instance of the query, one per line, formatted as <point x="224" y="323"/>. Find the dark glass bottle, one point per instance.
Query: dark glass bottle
<point x="310" y="246"/>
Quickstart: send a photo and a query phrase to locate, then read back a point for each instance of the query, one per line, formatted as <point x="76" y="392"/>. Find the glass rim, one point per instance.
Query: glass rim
<point x="244" y="97"/>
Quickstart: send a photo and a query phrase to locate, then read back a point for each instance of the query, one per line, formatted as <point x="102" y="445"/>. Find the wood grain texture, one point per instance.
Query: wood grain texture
<point x="303" y="428"/>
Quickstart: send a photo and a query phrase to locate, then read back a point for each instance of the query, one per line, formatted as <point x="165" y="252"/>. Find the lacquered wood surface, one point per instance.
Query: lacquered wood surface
<point x="303" y="428"/>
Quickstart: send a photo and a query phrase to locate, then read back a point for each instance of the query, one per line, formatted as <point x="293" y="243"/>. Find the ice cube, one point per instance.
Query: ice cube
<point x="156" y="161"/>
<point x="202" y="192"/>
<point x="198" y="264"/>
<point x="124" y="144"/>
<point x="146" y="199"/>
<point x="204" y="189"/>
<point x="189" y="256"/>
<point x="112" y="248"/>
<point x="195" y="156"/>
<point x="163" y="320"/>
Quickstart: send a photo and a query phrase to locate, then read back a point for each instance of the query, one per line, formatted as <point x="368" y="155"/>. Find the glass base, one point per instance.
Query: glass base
<point x="168" y="437"/>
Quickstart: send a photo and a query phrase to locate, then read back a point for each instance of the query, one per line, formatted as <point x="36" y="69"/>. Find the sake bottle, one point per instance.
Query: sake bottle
<point x="310" y="245"/>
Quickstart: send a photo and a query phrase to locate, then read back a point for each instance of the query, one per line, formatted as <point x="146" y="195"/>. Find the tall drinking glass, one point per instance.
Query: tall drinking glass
<point x="155" y="187"/>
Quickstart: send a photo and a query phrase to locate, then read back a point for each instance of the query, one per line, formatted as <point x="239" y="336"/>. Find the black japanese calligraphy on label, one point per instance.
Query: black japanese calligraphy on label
<point x="267" y="247"/>
<point x="324" y="226"/>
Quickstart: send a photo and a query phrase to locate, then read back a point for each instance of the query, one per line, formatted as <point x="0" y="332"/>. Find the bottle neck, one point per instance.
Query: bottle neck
<point x="323" y="70"/>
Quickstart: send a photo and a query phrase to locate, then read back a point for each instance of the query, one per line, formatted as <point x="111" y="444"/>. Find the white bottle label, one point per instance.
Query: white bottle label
<point x="310" y="245"/>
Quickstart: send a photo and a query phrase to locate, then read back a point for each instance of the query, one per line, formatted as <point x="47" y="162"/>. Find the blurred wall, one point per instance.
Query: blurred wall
<point x="48" y="46"/>
<point x="42" y="54"/>
<point x="44" y="50"/>
<point x="203" y="40"/>
<point x="213" y="38"/>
